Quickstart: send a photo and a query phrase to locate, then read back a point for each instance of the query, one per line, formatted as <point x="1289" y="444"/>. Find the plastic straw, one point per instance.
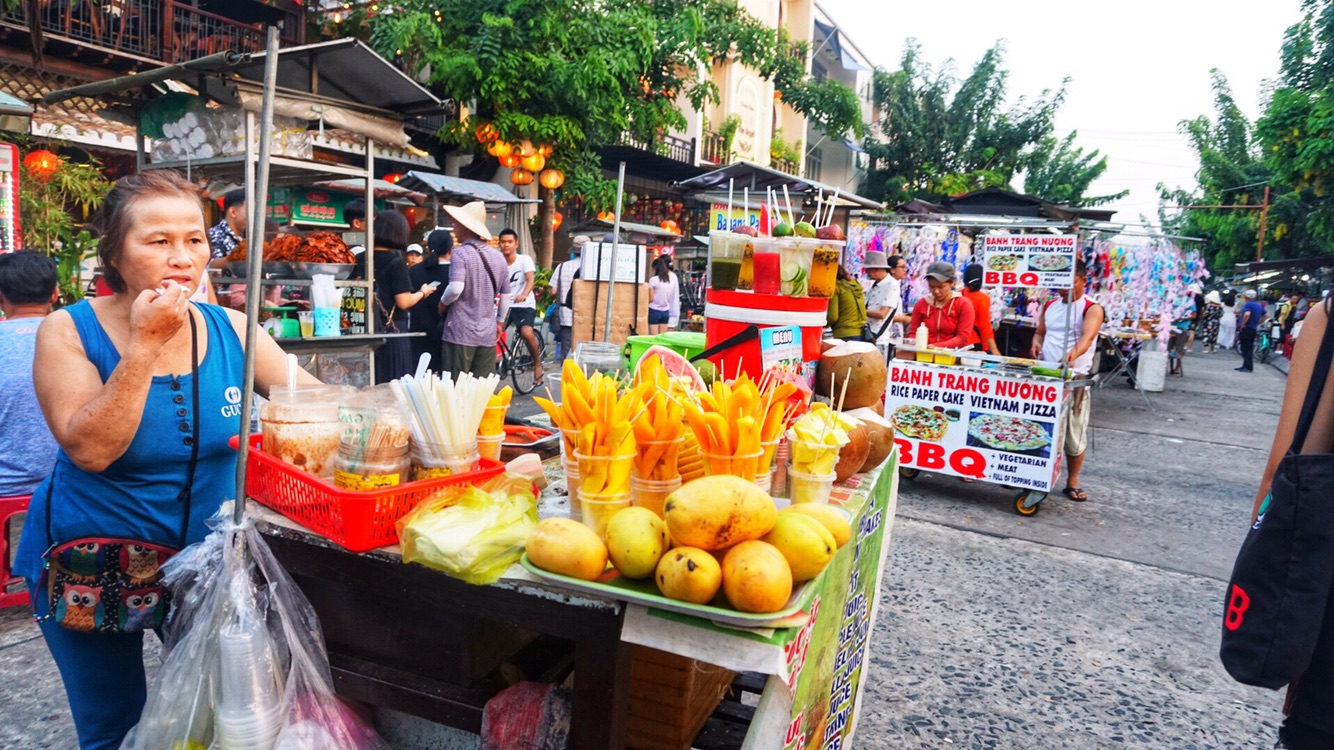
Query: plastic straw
<point x="788" y="198"/>
<point x="745" y="206"/>
<point x="291" y="371"/>
<point x="731" y="184"/>
<point x="833" y="205"/>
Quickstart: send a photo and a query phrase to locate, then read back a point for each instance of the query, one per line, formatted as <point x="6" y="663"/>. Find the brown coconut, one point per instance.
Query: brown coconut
<point x="879" y="434"/>
<point x="862" y="365"/>
<point x="852" y="456"/>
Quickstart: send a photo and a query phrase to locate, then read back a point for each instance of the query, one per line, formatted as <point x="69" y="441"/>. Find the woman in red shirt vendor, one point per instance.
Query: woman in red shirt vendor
<point x="948" y="316"/>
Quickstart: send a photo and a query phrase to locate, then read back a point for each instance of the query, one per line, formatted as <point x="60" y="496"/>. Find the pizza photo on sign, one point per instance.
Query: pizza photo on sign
<point x="919" y="422"/>
<point x="1049" y="262"/>
<point x="1003" y="262"/>
<point x="1009" y="434"/>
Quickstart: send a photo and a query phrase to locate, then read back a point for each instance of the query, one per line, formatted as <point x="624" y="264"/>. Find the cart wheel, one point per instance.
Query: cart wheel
<point x="909" y="473"/>
<point x="1027" y="502"/>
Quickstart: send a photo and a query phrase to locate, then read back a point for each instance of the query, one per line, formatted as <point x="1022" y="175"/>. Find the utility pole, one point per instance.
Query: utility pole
<point x="1264" y="217"/>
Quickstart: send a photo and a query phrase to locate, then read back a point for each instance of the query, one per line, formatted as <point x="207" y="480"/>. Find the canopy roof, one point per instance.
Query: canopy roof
<point x="757" y="179"/>
<point x="457" y="188"/>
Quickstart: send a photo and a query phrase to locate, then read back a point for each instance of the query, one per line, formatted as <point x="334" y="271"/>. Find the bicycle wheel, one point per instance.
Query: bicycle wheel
<point x="521" y="366"/>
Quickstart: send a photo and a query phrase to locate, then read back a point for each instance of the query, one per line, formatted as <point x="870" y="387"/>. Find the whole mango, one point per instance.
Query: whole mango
<point x="833" y="519"/>
<point x="567" y="547"/>
<point x="805" y="543"/>
<point x="636" y="539"/>
<point x="756" y="577"/>
<point x="718" y="511"/>
<point x="689" y="574"/>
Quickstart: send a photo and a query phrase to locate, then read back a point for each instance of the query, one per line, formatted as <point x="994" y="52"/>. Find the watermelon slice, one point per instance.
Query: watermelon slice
<point x="677" y="366"/>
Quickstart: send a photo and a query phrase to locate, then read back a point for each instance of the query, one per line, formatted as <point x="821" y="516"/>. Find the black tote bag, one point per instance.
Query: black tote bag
<point x="1280" y="585"/>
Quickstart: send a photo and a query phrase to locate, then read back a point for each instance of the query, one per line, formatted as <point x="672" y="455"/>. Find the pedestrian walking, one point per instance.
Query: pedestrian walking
<point x="473" y="319"/>
<point x="1209" y="324"/>
<point x="1227" y="325"/>
<point x="1252" y="315"/>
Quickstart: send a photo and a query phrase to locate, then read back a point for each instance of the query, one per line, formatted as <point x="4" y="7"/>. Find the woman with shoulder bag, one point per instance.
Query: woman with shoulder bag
<point x="141" y="390"/>
<point x="394" y="295"/>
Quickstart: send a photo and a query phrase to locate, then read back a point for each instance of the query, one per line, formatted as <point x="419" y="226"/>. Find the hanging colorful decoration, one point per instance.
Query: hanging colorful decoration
<point x="486" y="133"/>
<point x="546" y="150"/>
<point x="526" y="149"/>
<point x="607" y="216"/>
<point x="41" y="163"/>
<point x="510" y="161"/>
<point x="521" y="177"/>
<point x="534" y="162"/>
<point x="500" y="149"/>
<point x="551" y="179"/>
<point x="556" y="218"/>
<point x="393" y="177"/>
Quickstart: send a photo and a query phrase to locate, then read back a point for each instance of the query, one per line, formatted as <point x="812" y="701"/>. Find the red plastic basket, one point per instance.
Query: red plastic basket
<point x="359" y="520"/>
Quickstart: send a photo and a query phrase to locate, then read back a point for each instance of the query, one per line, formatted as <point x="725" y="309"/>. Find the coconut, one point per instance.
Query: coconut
<point x="852" y="456"/>
<point x="862" y="364"/>
<point x="879" y="434"/>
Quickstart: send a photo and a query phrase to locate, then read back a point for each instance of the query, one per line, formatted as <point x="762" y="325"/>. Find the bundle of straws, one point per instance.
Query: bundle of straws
<point x="444" y="413"/>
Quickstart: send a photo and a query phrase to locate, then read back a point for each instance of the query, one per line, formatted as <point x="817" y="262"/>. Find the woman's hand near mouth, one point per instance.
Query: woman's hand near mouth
<point x="156" y="315"/>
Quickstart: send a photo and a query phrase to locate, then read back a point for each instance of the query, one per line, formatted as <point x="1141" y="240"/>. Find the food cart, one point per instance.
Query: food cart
<point x="990" y="419"/>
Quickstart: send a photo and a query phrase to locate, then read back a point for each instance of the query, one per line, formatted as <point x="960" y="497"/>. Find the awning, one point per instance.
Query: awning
<point x="382" y="189"/>
<point x="15" y="114"/>
<point x="854" y="146"/>
<point x="629" y="230"/>
<point x="758" y="179"/>
<point x="447" y="187"/>
<point x="1289" y="264"/>
<point x="841" y="50"/>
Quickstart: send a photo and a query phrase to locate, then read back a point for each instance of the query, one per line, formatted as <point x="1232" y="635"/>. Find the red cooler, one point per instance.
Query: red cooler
<point x="727" y="314"/>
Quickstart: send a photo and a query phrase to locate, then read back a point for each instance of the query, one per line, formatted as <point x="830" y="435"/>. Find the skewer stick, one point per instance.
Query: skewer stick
<point x="843" y="394"/>
<point x="833" y="206"/>
<point x="787" y="197"/>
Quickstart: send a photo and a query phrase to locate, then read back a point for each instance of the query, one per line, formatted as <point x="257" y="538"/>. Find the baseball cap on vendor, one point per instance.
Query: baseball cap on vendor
<point x="1249" y="294"/>
<point x="940" y="271"/>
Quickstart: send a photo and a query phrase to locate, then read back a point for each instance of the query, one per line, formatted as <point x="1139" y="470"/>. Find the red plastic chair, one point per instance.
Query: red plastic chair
<point x="10" y="507"/>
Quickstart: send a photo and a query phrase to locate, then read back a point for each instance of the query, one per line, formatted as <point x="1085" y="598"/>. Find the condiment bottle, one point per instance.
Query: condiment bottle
<point x="921" y="336"/>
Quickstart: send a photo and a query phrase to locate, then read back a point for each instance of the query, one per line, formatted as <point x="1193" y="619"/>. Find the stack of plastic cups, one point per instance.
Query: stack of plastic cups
<point x="436" y="460"/>
<point x="572" y="476"/>
<point x="598" y="507"/>
<point x="250" y="706"/>
<point x="778" y="483"/>
<point x="764" y="480"/>
<point x="652" y="493"/>
<point x="489" y="446"/>
<point x="746" y="466"/>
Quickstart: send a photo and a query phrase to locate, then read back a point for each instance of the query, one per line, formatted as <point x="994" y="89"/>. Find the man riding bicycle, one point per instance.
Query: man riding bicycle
<point x="523" y="308"/>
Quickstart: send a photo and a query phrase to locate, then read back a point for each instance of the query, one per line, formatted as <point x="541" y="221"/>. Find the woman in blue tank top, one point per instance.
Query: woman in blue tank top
<point x="116" y="380"/>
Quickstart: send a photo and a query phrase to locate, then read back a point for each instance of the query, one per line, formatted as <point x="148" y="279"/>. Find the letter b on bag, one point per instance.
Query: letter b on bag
<point x="1237" y="604"/>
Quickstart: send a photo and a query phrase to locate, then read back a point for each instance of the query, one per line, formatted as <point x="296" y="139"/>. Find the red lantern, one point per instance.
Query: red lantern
<point x="42" y="163"/>
<point x="607" y="216"/>
<point x="393" y="177"/>
<point x="510" y="161"/>
<point x="556" y="219"/>
<point x="521" y="177"/>
<point x="486" y="132"/>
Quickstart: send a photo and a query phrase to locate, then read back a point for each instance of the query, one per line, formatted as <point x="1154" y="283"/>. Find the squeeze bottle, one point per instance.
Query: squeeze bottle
<point x="921" y="336"/>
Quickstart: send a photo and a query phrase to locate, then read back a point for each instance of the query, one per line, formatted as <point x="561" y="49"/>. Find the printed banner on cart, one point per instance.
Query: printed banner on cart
<point x="1003" y="429"/>
<point x="1036" y="260"/>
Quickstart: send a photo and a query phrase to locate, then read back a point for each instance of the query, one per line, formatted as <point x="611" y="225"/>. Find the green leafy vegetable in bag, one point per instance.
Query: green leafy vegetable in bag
<point x="472" y="533"/>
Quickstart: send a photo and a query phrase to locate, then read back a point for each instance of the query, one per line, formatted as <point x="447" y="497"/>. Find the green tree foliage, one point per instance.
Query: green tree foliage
<point x="47" y="206"/>
<point x="944" y="136"/>
<point x="581" y="75"/>
<point x="1059" y="171"/>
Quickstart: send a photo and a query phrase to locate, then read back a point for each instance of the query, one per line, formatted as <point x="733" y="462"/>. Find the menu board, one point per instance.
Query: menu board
<point x="1033" y="260"/>
<point x="1004" y="429"/>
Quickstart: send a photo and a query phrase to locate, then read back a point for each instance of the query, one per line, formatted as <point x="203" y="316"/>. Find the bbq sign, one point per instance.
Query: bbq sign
<point x="1034" y="260"/>
<point x="997" y="428"/>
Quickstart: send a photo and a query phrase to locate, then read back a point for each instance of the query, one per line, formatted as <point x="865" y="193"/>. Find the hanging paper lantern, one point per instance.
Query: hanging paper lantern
<point x="521" y="177"/>
<point x="393" y="177"/>
<point x="499" y="149"/>
<point x="670" y="226"/>
<point x="42" y="163"/>
<point x="607" y="216"/>
<point x="534" y="162"/>
<point x="546" y="150"/>
<point x="527" y="149"/>
<point x="510" y="161"/>
<point x="486" y="133"/>
<point x="551" y="178"/>
<point x="556" y="218"/>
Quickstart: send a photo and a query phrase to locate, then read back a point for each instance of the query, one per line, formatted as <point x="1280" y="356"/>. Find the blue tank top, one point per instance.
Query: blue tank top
<point x="137" y="496"/>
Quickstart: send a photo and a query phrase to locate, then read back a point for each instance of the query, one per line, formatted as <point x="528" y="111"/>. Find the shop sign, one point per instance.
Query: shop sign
<point x="1032" y="260"/>
<point x="745" y="145"/>
<point x="279" y="207"/>
<point x="354" y="310"/>
<point x="723" y="221"/>
<point x="997" y="428"/>
<point x="319" y="207"/>
<point x="828" y="658"/>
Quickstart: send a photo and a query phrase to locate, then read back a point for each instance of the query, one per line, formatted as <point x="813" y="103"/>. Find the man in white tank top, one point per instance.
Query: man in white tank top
<point x="1052" y="344"/>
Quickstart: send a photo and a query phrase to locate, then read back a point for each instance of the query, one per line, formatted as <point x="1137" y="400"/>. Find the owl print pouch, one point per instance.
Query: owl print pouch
<point x="100" y="585"/>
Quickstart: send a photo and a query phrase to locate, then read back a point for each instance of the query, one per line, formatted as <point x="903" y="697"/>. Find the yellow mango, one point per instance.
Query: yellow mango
<point x="833" y="519"/>
<point x="689" y="574"/>
<point x="718" y="511"/>
<point x="567" y="547"/>
<point x="805" y="543"/>
<point x="756" y="577"/>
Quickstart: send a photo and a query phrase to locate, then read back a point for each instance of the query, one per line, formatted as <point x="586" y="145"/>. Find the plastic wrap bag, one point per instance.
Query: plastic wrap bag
<point x="244" y="662"/>
<point x="472" y="533"/>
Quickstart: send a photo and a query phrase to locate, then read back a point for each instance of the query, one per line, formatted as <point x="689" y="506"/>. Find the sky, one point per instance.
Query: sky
<point x="1137" y="68"/>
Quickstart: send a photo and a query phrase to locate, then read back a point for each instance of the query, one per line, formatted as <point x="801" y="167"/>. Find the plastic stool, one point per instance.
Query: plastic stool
<point x="10" y="507"/>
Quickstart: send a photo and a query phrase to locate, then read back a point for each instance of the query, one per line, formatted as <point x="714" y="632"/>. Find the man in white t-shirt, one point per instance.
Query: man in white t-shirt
<point x="1054" y="343"/>
<point x="562" y="283"/>
<point x="884" y="296"/>
<point x="523" y="306"/>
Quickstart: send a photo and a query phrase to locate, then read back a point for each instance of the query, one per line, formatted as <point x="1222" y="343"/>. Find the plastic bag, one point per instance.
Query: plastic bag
<point x="244" y="662"/>
<point x="472" y="533"/>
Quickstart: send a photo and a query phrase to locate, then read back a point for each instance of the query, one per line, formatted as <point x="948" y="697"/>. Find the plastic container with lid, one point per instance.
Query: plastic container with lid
<point x="600" y="356"/>
<point x="359" y="468"/>
<point x="300" y="426"/>
<point x="436" y="460"/>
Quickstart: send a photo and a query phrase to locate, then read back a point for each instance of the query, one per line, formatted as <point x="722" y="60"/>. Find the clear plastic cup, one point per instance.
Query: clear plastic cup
<point x="814" y="455"/>
<point x="663" y="454"/>
<point x="610" y="474"/>
<point x="809" y="488"/>
<point x="247" y="673"/>
<point x="795" y="266"/>
<point x="726" y="250"/>
<point x="250" y="729"/>
<point x="826" y="255"/>
<point x="764" y="480"/>
<point x="768" y="264"/>
<point x="488" y="446"/>
<point x="436" y="460"/>
<point x="572" y="481"/>
<point x="306" y="318"/>
<point x="746" y="466"/>
<point x="598" y="508"/>
<point x="493" y="420"/>
<point x="647" y="493"/>
<point x="768" y="449"/>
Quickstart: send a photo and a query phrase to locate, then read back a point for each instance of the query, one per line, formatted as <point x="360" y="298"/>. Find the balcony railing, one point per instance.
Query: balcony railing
<point x="676" y="149"/>
<point x="162" y="30"/>
<point x="715" y="150"/>
<point x="790" y="166"/>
